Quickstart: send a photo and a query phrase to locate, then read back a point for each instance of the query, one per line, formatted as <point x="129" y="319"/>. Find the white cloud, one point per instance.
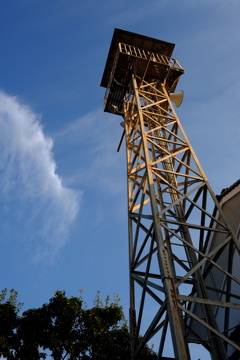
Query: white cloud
<point x="30" y="188"/>
<point x="99" y="165"/>
<point x="91" y="142"/>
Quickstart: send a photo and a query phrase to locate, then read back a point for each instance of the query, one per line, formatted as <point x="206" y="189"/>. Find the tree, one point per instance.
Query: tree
<point x="105" y="331"/>
<point x="66" y="329"/>
<point x="9" y="308"/>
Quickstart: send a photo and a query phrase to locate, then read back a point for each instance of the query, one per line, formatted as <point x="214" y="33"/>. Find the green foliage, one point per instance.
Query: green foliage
<point x="105" y="330"/>
<point x="12" y="299"/>
<point x="9" y="308"/>
<point x="66" y="329"/>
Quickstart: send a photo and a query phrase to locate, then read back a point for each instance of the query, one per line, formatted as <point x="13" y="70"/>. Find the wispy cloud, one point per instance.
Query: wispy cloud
<point x="98" y="168"/>
<point x="28" y="180"/>
<point x="98" y="134"/>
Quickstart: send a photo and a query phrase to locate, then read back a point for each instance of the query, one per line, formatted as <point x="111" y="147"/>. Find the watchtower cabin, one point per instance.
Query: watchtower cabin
<point x="147" y="58"/>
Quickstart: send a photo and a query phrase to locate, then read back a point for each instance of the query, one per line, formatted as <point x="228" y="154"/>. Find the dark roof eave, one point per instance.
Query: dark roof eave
<point x="226" y="191"/>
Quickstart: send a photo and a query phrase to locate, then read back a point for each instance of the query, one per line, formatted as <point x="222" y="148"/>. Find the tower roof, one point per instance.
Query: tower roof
<point x="143" y="42"/>
<point x="147" y="58"/>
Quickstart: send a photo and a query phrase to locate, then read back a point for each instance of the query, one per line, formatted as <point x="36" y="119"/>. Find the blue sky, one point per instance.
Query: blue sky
<point x="63" y="200"/>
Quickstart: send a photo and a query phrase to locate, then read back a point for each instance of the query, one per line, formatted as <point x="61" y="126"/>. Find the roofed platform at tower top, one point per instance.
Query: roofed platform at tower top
<point x="139" y="41"/>
<point x="146" y="57"/>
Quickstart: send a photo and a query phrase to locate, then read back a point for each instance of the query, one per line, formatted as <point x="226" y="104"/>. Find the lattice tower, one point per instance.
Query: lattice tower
<point x="182" y="289"/>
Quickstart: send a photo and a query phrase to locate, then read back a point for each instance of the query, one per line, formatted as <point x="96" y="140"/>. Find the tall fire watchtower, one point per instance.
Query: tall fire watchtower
<point x="181" y="285"/>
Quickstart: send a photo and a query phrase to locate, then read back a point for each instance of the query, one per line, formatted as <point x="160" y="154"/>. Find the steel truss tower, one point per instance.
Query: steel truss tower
<point x="182" y="289"/>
